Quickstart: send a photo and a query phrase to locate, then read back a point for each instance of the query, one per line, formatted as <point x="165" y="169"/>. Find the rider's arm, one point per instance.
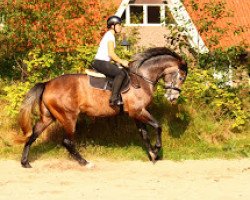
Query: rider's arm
<point x="113" y="56"/>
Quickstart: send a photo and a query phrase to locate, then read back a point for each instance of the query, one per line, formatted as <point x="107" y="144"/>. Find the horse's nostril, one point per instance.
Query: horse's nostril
<point x="173" y="101"/>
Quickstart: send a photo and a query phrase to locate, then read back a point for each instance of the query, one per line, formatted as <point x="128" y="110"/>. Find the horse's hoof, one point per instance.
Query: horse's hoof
<point x="157" y="149"/>
<point x="26" y="165"/>
<point x="153" y="157"/>
<point x="90" y="165"/>
<point x="82" y="162"/>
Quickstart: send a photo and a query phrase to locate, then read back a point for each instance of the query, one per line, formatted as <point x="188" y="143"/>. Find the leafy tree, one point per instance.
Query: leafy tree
<point x="47" y="26"/>
<point x="214" y="21"/>
<point x="52" y="25"/>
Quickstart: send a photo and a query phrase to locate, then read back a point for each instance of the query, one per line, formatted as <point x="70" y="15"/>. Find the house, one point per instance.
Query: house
<point x="152" y="17"/>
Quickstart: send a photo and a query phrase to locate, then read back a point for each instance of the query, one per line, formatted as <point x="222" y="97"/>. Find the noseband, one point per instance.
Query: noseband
<point x="173" y="83"/>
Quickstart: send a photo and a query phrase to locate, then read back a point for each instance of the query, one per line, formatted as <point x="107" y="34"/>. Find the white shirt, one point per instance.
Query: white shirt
<point x="102" y="53"/>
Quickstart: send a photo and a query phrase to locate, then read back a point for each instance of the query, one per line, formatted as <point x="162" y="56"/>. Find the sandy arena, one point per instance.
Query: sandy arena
<point x="126" y="180"/>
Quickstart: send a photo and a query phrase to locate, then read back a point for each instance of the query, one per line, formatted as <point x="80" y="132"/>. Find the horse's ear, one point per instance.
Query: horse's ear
<point x="183" y="66"/>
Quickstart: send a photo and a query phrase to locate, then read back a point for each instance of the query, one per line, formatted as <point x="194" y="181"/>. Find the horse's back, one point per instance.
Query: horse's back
<point x="63" y="91"/>
<point x="64" y="81"/>
<point x="73" y="93"/>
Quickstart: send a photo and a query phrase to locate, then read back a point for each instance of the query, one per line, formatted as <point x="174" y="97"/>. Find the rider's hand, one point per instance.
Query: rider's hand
<point x="124" y="63"/>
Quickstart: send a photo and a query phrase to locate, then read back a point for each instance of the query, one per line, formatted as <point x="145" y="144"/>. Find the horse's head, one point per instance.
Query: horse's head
<point x="174" y="77"/>
<point x="159" y="62"/>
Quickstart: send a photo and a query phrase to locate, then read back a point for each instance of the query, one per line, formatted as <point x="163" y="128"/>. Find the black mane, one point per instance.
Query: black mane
<point x="140" y="58"/>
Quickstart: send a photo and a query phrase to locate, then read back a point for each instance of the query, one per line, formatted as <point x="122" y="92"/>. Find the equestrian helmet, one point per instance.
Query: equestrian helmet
<point x="113" y="20"/>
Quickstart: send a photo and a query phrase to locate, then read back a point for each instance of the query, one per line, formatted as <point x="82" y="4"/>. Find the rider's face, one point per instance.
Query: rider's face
<point x="118" y="28"/>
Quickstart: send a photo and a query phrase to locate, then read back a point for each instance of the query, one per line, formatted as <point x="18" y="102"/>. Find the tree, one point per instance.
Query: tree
<point x="215" y="21"/>
<point x="54" y="25"/>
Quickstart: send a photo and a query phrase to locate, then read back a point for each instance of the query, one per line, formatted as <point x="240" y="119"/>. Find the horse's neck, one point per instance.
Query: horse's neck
<point x="144" y="87"/>
<point x="152" y="73"/>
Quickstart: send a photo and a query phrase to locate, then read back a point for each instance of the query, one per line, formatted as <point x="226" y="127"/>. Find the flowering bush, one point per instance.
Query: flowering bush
<point x="58" y="25"/>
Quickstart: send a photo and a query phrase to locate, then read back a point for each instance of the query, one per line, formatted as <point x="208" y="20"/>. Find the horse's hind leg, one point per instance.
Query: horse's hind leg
<point x="38" y="128"/>
<point x="69" y="124"/>
<point x="70" y="146"/>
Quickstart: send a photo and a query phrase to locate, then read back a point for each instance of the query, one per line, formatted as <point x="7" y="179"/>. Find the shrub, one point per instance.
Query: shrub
<point x="201" y="88"/>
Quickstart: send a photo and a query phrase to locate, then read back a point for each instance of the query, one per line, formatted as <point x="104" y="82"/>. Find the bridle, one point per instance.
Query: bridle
<point x="170" y="86"/>
<point x="173" y="82"/>
<point x="144" y="78"/>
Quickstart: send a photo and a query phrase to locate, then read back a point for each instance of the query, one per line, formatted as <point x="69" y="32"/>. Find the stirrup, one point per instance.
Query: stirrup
<point x="116" y="102"/>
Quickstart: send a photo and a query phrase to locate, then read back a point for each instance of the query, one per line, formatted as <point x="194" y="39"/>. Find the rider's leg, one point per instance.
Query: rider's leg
<point x="113" y="71"/>
<point x="115" y="96"/>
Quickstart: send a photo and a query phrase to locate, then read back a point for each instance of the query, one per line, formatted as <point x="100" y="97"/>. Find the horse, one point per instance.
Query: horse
<point x="63" y="98"/>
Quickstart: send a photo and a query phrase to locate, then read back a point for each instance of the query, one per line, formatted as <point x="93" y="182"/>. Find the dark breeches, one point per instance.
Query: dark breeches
<point x="108" y="69"/>
<point x="112" y="71"/>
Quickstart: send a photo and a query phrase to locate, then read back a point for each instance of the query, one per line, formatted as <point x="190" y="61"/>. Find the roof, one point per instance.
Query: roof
<point x="238" y="22"/>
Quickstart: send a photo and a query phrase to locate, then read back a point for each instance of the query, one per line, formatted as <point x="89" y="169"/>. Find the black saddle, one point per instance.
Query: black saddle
<point x="103" y="82"/>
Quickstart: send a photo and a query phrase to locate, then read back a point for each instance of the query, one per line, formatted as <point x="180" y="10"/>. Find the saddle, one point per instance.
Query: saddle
<point x="100" y="81"/>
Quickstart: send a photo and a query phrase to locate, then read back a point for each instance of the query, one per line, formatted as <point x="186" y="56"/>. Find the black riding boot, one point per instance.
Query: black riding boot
<point x="115" y="98"/>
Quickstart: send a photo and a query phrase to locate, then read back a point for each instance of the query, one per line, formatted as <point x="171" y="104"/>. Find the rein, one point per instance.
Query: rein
<point x="171" y="86"/>
<point x="144" y="78"/>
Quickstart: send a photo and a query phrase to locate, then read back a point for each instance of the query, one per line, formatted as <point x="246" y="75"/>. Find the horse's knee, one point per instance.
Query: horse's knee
<point x="158" y="146"/>
<point x="68" y="143"/>
<point x="156" y="125"/>
<point x="144" y="133"/>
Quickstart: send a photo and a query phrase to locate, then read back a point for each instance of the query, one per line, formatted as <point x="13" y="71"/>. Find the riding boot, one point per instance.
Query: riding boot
<point x="115" y="98"/>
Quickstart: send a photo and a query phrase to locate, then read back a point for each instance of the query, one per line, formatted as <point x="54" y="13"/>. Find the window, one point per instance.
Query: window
<point x="136" y="14"/>
<point x="154" y="15"/>
<point x="147" y="15"/>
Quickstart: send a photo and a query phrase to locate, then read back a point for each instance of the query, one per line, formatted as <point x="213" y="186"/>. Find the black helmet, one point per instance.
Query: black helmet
<point x="113" y="20"/>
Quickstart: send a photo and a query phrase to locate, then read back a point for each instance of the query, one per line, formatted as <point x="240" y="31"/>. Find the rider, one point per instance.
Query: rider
<point x="106" y="53"/>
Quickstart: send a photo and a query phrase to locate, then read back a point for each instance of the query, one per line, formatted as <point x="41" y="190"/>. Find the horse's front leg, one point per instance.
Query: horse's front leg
<point x="146" y="118"/>
<point x="146" y="139"/>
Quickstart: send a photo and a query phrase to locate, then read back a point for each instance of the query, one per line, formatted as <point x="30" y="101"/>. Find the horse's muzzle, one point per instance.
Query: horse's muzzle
<point x="172" y="97"/>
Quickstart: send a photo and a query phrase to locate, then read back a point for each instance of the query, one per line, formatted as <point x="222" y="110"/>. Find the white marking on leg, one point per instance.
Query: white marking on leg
<point x="90" y="165"/>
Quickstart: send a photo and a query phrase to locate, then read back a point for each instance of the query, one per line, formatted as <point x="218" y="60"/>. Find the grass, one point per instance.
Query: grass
<point x="187" y="134"/>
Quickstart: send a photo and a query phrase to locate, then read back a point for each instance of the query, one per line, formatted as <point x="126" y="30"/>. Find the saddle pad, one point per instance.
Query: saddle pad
<point x="106" y="83"/>
<point x="92" y="72"/>
<point x="100" y="83"/>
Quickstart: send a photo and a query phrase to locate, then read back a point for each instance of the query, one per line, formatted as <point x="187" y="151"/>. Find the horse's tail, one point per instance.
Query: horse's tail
<point x="32" y="98"/>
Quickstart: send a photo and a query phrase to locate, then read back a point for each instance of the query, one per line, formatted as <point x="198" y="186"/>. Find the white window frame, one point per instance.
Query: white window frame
<point x="181" y="17"/>
<point x="145" y="15"/>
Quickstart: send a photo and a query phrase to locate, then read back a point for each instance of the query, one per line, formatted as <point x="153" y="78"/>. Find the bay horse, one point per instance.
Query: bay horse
<point x="64" y="97"/>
